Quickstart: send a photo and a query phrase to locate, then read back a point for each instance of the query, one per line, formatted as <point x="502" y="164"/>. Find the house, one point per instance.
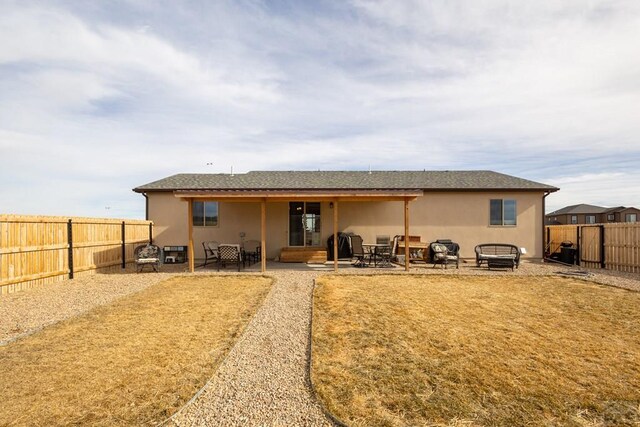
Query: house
<point x="302" y="209"/>
<point x="590" y="214"/>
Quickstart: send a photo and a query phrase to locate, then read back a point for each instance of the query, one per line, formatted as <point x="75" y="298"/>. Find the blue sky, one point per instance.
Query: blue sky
<point x="99" y="97"/>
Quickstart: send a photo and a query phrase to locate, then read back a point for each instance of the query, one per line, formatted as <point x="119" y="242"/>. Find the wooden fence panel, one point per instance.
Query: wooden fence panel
<point x="135" y="234"/>
<point x="618" y="243"/>
<point x="560" y="233"/>
<point x="96" y="245"/>
<point x="622" y="247"/>
<point x="34" y="250"/>
<point x="590" y="247"/>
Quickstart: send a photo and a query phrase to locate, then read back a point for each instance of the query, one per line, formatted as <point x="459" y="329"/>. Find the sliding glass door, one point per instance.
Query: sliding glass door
<point x="304" y="224"/>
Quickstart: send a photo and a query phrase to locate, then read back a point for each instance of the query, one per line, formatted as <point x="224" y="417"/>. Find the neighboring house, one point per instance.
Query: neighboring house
<point x="590" y="214"/>
<point x="299" y="209"/>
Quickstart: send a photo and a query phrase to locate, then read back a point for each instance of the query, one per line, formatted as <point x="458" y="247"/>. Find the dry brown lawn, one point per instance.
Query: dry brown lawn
<point x="495" y="351"/>
<point x="133" y="362"/>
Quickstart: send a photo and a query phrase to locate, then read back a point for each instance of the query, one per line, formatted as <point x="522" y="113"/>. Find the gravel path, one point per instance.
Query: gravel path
<point x="263" y="380"/>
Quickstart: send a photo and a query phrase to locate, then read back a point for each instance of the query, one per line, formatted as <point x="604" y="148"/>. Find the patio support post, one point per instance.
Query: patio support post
<point x="406" y="234"/>
<point x="190" y="253"/>
<point x="335" y="235"/>
<point x="263" y="235"/>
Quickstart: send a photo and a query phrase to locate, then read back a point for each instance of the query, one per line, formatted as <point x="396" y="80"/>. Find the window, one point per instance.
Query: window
<point x="574" y="219"/>
<point x="590" y="219"/>
<point x="631" y="217"/>
<point x="502" y="212"/>
<point x="611" y="217"/>
<point x="205" y="214"/>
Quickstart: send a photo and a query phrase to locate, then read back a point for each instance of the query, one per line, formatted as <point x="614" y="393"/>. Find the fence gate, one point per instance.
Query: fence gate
<point x="591" y="247"/>
<point x="611" y="246"/>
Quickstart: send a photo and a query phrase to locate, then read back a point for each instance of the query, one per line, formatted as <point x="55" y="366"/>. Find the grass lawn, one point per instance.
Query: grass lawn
<point x="496" y="351"/>
<point x="132" y="362"/>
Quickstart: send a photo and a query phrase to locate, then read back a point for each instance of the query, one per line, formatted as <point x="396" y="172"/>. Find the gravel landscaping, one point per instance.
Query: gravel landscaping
<point x="23" y="313"/>
<point x="264" y="379"/>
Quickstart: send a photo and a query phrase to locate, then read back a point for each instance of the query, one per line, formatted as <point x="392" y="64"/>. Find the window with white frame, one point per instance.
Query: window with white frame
<point x="502" y="212"/>
<point x="205" y="214"/>
<point x="574" y="219"/>
<point x="590" y="219"/>
<point x="631" y="217"/>
<point x="611" y="217"/>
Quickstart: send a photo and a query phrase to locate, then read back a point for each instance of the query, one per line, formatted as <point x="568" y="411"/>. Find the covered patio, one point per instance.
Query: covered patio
<point x="263" y="197"/>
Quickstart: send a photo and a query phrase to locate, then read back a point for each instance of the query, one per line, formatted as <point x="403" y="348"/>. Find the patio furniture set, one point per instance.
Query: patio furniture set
<point x="380" y="254"/>
<point x="371" y="254"/>
<point x="442" y="252"/>
<point x="384" y="252"/>
<point x="232" y="253"/>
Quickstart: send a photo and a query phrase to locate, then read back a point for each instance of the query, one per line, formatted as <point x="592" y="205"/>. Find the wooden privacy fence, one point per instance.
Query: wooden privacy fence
<point x="611" y="246"/>
<point x="36" y="250"/>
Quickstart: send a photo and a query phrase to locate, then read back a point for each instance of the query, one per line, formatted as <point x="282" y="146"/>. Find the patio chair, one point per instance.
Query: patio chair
<point x="210" y="251"/>
<point x="383" y="240"/>
<point x="440" y="254"/>
<point x="147" y="255"/>
<point x="252" y="250"/>
<point x="229" y="254"/>
<point x="382" y="256"/>
<point x="357" y="251"/>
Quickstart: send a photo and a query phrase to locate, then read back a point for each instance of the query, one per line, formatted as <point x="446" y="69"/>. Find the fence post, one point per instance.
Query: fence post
<point x="70" y="250"/>
<point x="150" y="233"/>
<point x="578" y="238"/>
<point x="603" y="262"/>
<point x="124" y="253"/>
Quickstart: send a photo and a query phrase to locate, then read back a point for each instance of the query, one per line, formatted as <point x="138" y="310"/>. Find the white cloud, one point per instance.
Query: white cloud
<point x="117" y="96"/>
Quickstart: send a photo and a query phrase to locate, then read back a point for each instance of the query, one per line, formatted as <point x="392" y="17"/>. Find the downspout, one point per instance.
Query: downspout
<point x="544" y="215"/>
<point x="146" y="206"/>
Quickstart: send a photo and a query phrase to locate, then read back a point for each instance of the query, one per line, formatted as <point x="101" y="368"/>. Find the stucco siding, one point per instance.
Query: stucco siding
<point x="460" y="216"/>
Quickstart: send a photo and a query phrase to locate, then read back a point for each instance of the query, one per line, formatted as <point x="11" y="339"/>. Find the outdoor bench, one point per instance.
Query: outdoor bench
<point x="497" y="255"/>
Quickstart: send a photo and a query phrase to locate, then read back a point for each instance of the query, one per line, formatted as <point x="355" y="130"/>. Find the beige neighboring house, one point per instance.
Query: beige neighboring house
<point x="298" y="209"/>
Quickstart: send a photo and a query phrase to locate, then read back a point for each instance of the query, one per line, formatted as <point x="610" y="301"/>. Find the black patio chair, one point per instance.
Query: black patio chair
<point x="210" y="251"/>
<point x="357" y="251"/>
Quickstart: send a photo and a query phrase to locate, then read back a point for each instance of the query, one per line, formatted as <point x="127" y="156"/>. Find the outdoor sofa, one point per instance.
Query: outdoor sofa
<point x="498" y="255"/>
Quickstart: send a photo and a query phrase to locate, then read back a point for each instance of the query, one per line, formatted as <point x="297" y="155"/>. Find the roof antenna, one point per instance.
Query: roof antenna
<point x="231" y="170"/>
<point x="369" y="168"/>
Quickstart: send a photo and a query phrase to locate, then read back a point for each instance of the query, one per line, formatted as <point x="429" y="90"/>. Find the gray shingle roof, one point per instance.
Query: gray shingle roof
<point x="579" y="209"/>
<point x="345" y="180"/>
